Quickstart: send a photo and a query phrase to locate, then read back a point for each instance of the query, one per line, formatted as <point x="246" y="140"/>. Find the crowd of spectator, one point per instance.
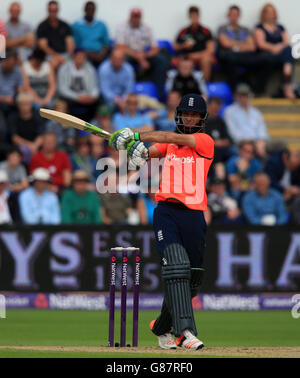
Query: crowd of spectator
<point x="48" y="171"/>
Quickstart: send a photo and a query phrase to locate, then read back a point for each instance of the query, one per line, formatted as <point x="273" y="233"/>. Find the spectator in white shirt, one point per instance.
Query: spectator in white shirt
<point x="245" y="122"/>
<point x="137" y="41"/>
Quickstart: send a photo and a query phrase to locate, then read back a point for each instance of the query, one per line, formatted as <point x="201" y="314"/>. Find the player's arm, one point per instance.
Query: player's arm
<point x="168" y="137"/>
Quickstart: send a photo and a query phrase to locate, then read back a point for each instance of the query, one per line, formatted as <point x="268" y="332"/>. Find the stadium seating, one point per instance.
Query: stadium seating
<point x="146" y="88"/>
<point x="221" y="90"/>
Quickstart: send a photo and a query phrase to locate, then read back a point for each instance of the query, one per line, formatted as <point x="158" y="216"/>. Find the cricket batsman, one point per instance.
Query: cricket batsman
<point x="178" y="220"/>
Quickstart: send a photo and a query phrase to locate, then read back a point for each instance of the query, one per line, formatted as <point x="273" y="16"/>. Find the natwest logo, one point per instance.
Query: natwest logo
<point x="184" y="160"/>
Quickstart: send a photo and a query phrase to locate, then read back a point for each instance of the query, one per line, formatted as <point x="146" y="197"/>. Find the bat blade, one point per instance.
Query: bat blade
<point x="69" y="120"/>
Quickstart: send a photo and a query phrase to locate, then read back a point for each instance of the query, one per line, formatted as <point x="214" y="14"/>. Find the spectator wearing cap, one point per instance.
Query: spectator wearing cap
<point x="56" y="162"/>
<point x="19" y="34"/>
<point x="264" y="205"/>
<point x="245" y="122"/>
<point x="39" y="79"/>
<point x="186" y="80"/>
<point x="80" y="205"/>
<point x="15" y="170"/>
<point x="137" y="40"/>
<point x="78" y="85"/>
<point x="164" y="119"/>
<point x="65" y="135"/>
<point x="25" y="127"/>
<point x="55" y="36"/>
<point x="196" y="43"/>
<point x="224" y="209"/>
<point x="38" y="205"/>
<point x="11" y="82"/>
<point x="132" y="117"/>
<point x="237" y="49"/>
<point x="116" y="79"/>
<point x="283" y="168"/>
<point x="91" y="35"/>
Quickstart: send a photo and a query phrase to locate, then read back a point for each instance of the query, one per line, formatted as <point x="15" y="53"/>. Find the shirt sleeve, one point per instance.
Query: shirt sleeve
<point x="162" y="148"/>
<point x="41" y="31"/>
<point x="204" y="145"/>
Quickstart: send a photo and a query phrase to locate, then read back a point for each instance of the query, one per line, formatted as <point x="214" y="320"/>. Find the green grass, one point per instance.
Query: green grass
<point x="89" y="328"/>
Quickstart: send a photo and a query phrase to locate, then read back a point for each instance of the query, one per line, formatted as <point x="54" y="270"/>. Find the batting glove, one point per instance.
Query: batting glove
<point x="120" y="139"/>
<point x="137" y="152"/>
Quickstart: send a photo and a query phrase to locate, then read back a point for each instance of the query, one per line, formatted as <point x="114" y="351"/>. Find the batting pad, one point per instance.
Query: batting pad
<point x="176" y="274"/>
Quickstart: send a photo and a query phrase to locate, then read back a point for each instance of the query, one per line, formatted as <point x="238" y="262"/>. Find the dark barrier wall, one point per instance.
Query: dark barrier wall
<point x="55" y="259"/>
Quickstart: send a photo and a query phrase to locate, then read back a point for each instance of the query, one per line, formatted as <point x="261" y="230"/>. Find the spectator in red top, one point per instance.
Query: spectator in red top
<point x="196" y="43"/>
<point x="57" y="162"/>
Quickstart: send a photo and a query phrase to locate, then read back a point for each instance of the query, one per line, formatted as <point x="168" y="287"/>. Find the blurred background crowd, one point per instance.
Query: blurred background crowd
<point x="128" y="78"/>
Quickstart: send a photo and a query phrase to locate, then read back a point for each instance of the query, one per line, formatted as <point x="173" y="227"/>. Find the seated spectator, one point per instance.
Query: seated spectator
<point x="78" y="85"/>
<point x="244" y="166"/>
<point x="55" y="161"/>
<point x="20" y="35"/>
<point x="272" y="39"/>
<point x="116" y="206"/>
<point x="38" y="205"/>
<point x="79" y="205"/>
<point x="264" y="205"/>
<point x="91" y="35"/>
<point x="65" y="135"/>
<point x="237" y="48"/>
<point x="55" y="36"/>
<point x="11" y="82"/>
<point x="224" y="209"/>
<point x="196" y="42"/>
<point x="137" y="41"/>
<point x="245" y="122"/>
<point x="116" y="79"/>
<point x="186" y="80"/>
<point x="16" y="173"/>
<point x="132" y="117"/>
<point x="164" y="119"/>
<point x="82" y="159"/>
<point x="283" y="169"/>
<point x="39" y="79"/>
<point x="25" y="127"/>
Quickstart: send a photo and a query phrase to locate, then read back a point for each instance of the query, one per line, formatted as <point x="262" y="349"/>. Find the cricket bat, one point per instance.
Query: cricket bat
<point x="68" y="120"/>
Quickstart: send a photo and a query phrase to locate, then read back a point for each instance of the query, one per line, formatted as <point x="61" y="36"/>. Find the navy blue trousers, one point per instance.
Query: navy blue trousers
<point x="175" y="223"/>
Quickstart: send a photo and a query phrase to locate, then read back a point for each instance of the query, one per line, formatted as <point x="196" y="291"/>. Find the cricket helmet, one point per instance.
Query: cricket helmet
<point x="191" y="103"/>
